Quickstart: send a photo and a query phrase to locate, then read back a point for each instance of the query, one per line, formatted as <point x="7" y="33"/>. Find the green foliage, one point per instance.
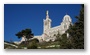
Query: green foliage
<point x="77" y="31"/>
<point x="35" y="40"/>
<point x="64" y="42"/>
<point x="33" y="44"/>
<point x="9" y="47"/>
<point x="30" y="44"/>
<point x="75" y="40"/>
<point x="58" y="36"/>
<point x="27" y="32"/>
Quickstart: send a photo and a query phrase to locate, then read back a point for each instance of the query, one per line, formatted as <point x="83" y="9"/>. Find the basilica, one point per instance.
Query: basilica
<point x="49" y="32"/>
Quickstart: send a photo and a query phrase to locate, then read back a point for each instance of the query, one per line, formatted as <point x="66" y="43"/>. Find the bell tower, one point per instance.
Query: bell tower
<point x="47" y="22"/>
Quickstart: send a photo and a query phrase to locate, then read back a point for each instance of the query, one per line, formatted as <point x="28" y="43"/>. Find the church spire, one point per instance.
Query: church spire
<point x="47" y="15"/>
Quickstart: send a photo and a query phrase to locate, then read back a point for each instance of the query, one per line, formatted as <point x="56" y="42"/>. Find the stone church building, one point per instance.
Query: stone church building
<point x="49" y="32"/>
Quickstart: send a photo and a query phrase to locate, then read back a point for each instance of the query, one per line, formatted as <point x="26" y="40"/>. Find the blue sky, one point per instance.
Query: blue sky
<point x="21" y="16"/>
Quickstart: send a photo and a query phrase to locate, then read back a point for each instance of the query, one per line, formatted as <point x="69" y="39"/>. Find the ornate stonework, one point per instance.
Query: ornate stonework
<point x="49" y="32"/>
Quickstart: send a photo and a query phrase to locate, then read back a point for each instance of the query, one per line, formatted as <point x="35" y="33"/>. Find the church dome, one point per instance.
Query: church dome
<point x="67" y="18"/>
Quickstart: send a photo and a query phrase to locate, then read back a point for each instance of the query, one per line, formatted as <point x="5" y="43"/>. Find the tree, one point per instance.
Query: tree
<point x="76" y="31"/>
<point x="65" y="42"/>
<point x="58" y="36"/>
<point x="27" y="33"/>
<point x="33" y="44"/>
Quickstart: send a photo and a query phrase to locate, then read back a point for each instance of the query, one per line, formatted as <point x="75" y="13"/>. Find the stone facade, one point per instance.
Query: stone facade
<point x="49" y="32"/>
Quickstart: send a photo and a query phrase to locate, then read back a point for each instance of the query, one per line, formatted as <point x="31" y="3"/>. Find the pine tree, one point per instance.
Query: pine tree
<point x="27" y="33"/>
<point x="77" y="31"/>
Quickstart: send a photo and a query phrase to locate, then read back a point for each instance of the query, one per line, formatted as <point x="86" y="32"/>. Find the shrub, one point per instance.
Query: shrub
<point x="32" y="45"/>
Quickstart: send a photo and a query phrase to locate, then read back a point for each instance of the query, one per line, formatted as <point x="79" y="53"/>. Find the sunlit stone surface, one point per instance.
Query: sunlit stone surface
<point x="50" y="32"/>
